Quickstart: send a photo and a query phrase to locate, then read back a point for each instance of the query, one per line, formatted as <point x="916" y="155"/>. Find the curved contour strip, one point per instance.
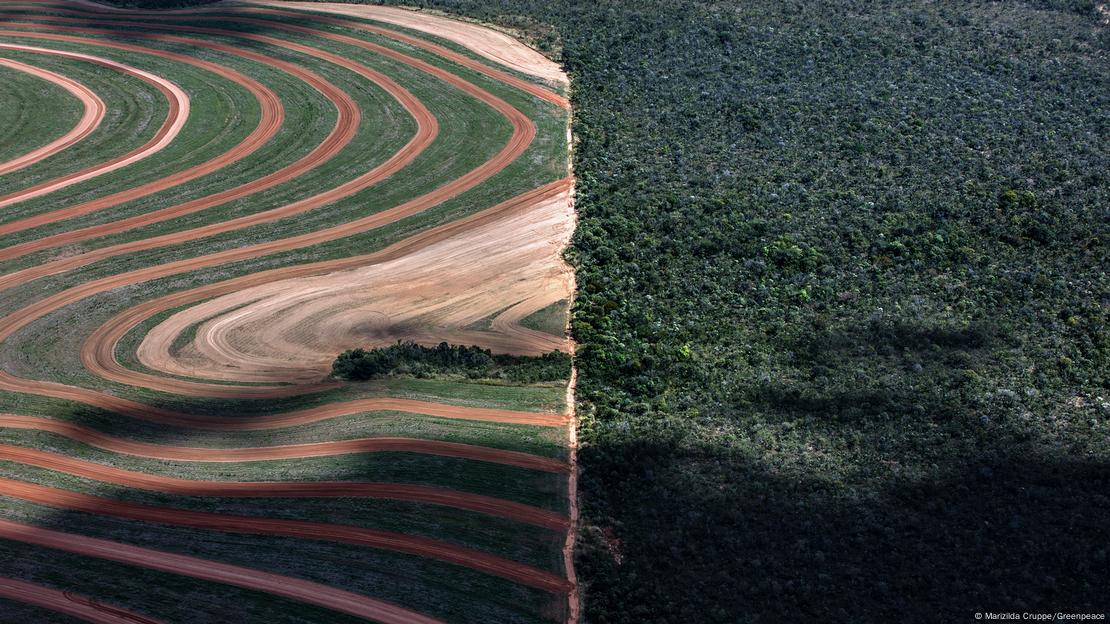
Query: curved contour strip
<point x="94" y="110"/>
<point x="175" y="121"/>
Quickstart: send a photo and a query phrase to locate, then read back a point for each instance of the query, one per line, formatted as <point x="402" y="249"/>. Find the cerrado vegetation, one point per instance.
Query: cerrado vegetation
<point x="474" y="362"/>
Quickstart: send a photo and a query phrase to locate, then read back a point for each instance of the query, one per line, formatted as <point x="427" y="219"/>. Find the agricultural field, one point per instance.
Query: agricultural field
<point x="201" y="209"/>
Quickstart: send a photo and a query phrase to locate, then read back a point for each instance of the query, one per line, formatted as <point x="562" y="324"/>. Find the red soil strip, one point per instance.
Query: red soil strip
<point x="334" y="410"/>
<point x="286" y="586"/>
<point x="346" y="128"/>
<point x="573" y="598"/>
<point x="301" y="529"/>
<point x="68" y="603"/>
<point x="175" y="120"/>
<point x="103" y="441"/>
<point x="286" y="489"/>
<point x="438" y="50"/>
<point x="94" y="109"/>
<point x="304" y="16"/>
<point x="272" y="117"/>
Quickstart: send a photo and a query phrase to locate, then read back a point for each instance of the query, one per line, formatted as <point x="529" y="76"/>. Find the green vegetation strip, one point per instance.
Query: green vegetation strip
<point x="134" y="112"/>
<point x="35" y="112"/>
<point x="438" y="589"/>
<point x="526" y="543"/>
<point x="535" y="488"/>
<point x="535" y="440"/>
<point x="551" y="319"/>
<point x="153" y="594"/>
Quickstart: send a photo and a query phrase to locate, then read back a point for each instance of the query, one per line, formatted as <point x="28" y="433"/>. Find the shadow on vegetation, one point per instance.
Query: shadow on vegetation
<point x="451" y="592"/>
<point x="992" y="530"/>
<point x="889" y="497"/>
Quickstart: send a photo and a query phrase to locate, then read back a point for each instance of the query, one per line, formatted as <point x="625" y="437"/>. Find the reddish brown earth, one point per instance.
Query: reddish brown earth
<point x="98" y="352"/>
<point x="93" y="114"/>
<point x="286" y="489"/>
<point x="286" y="586"/>
<point x="339" y="533"/>
<point x="68" y="603"/>
<point x="491" y="44"/>
<point x="175" y="120"/>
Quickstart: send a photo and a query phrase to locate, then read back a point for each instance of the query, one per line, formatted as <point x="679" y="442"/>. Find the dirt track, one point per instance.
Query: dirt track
<point x="175" y="120"/>
<point x="98" y="352"/>
<point x="93" y="114"/>
<point x="339" y="533"/>
<point x="289" y="587"/>
<point x="106" y="442"/>
<point x="70" y="604"/>
<point x="286" y="489"/>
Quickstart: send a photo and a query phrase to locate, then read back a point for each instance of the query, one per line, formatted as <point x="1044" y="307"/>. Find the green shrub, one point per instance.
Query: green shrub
<point x="410" y="358"/>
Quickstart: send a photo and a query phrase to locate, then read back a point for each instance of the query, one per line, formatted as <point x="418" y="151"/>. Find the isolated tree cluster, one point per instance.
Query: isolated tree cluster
<point x="410" y="358"/>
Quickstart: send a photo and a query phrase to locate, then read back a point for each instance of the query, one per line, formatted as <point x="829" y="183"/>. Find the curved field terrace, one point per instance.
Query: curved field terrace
<point x="199" y="210"/>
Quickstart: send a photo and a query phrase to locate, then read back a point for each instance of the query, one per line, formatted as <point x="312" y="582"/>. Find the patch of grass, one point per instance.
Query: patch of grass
<point x="509" y="482"/>
<point x="135" y="111"/>
<point x="537" y="440"/>
<point x="551" y="319"/>
<point x="534" y="545"/>
<point x="35" y="112"/>
<point x="150" y="593"/>
<point x="439" y="589"/>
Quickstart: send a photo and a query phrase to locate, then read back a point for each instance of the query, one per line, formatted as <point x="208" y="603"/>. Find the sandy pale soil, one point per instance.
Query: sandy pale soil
<point x="472" y="288"/>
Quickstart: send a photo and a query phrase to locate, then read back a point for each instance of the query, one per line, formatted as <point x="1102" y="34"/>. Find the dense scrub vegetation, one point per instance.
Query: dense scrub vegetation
<point x="410" y="358"/>
<point x="843" y="307"/>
